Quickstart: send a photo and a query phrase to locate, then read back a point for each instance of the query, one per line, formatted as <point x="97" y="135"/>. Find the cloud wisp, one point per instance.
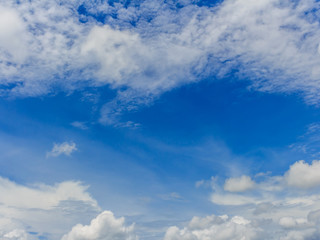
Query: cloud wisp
<point x="65" y="148"/>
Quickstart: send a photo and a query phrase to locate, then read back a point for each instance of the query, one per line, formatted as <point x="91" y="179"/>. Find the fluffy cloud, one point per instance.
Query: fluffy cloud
<point x="65" y="148"/>
<point x="281" y="207"/>
<point x="303" y="175"/>
<point x="240" y="184"/>
<point x="104" y="227"/>
<point x="273" y="43"/>
<point x="214" y="227"/>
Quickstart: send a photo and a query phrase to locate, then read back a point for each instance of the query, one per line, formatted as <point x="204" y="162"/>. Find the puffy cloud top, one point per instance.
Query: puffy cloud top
<point x="104" y="227"/>
<point x="214" y="227"/>
<point x="303" y="175"/>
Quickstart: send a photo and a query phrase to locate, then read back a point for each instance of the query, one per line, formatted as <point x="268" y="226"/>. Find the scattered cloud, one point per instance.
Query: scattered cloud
<point x="280" y="207"/>
<point x="65" y="148"/>
<point x="104" y="227"/>
<point x="273" y="209"/>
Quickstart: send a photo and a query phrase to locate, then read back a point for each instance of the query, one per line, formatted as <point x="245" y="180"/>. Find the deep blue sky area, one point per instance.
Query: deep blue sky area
<point x="246" y="122"/>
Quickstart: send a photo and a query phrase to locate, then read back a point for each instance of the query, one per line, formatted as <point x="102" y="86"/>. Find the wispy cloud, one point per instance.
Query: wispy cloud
<point x="81" y="125"/>
<point x="65" y="148"/>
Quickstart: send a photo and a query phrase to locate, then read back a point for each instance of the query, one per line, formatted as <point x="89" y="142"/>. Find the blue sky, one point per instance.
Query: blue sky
<point x="164" y="120"/>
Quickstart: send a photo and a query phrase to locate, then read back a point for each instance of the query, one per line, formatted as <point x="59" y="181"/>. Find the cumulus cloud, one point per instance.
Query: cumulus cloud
<point x="65" y="148"/>
<point x="303" y="175"/>
<point x="104" y="227"/>
<point x="281" y="207"/>
<point x="214" y="227"/>
<point x="240" y="184"/>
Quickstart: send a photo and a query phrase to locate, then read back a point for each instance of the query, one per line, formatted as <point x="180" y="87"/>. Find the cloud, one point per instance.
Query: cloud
<point x="303" y="175"/>
<point x="104" y="227"/>
<point x="81" y="125"/>
<point x="281" y="207"/>
<point x="42" y="196"/>
<point x="153" y="47"/>
<point x="65" y="148"/>
<point x="214" y="227"/>
<point x="12" y="30"/>
<point x="240" y="184"/>
<point x="17" y="234"/>
<point x="43" y="210"/>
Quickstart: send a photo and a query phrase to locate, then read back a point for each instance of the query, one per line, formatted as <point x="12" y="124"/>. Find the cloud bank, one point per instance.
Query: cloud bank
<point x="142" y="50"/>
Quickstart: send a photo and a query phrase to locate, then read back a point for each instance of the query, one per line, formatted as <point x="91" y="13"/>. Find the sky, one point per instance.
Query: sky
<point x="159" y="120"/>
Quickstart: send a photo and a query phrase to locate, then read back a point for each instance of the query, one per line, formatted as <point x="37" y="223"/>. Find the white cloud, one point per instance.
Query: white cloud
<point x="42" y="196"/>
<point x="12" y="33"/>
<point x="303" y="175"/>
<point x="281" y="207"/>
<point x="290" y="222"/>
<point x="104" y="227"/>
<point x="65" y="148"/>
<point x="16" y="234"/>
<point x="240" y="184"/>
<point x="49" y="210"/>
<point x="214" y="227"/>
<point x="271" y="42"/>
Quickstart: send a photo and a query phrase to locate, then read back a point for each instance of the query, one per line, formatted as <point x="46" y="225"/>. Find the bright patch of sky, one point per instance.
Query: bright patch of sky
<point x="180" y="119"/>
